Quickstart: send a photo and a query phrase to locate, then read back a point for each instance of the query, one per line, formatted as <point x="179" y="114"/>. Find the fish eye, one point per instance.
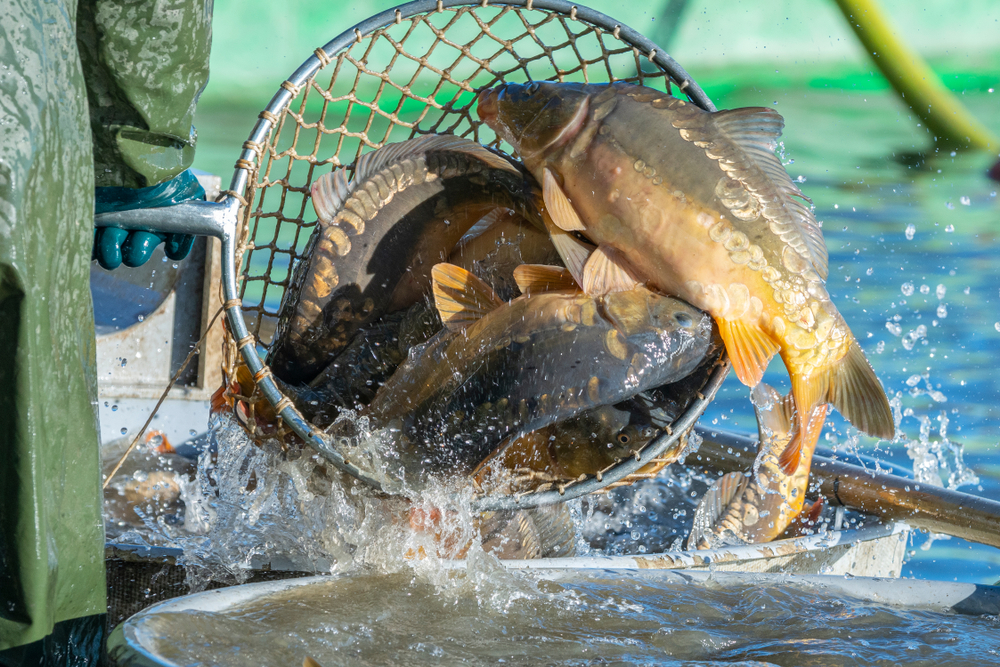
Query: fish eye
<point x="683" y="319"/>
<point x="623" y="438"/>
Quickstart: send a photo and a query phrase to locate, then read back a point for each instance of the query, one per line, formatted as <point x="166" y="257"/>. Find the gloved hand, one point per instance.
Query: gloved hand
<point x="114" y="247"/>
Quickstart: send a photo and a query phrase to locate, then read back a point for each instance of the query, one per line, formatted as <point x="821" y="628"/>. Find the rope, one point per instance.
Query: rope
<point x="163" y="397"/>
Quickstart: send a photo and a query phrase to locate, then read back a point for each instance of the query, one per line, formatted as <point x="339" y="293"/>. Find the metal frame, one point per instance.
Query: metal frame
<point x="221" y="220"/>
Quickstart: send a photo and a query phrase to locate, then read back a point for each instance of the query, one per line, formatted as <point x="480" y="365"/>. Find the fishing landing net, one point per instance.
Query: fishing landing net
<point x="406" y="72"/>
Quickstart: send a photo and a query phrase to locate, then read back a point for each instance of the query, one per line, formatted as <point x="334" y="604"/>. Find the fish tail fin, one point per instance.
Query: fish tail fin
<point x="858" y="395"/>
<point x="750" y="349"/>
<point x="808" y="426"/>
<point x="851" y="386"/>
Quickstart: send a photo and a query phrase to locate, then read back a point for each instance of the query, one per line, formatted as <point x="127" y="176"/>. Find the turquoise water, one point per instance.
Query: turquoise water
<point x="912" y="237"/>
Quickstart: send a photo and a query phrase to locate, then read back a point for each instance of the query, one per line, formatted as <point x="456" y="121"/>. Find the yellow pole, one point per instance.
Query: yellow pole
<point x="916" y="83"/>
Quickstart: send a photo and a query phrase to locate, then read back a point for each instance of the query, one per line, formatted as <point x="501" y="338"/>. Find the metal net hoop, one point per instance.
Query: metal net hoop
<point x="409" y="71"/>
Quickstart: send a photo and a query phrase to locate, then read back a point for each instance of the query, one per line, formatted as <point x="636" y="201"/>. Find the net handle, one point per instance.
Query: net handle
<point x="253" y="149"/>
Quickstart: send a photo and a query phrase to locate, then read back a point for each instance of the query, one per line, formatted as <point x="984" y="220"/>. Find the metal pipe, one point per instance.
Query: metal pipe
<point x="934" y="508"/>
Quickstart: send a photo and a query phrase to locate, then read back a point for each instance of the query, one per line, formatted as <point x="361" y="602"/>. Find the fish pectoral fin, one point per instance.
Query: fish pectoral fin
<point x="309" y="662"/>
<point x="461" y="298"/>
<point x="537" y="278"/>
<point x="558" y="205"/>
<point x="775" y="422"/>
<point x="607" y="271"/>
<point x="572" y="251"/>
<point x="713" y="507"/>
<point x="749" y="347"/>
<point x="805" y="434"/>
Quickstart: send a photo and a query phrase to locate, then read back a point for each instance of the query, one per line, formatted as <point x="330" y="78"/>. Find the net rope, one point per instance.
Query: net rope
<point x="418" y="75"/>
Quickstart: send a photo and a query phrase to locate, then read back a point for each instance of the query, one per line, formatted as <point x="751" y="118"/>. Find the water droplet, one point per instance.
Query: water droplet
<point x="942" y="311"/>
<point x="114" y="408"/>
<point x="141" y="318"/>
<point x="948" y="205"/>
<point x="880" y="348"/>
<point x="997" y="326"/>
<point x="894" y="328"/>
<point x="965" y="201"/>
<point x="949" y="228"/>
<point x="124" y="361"/>
<point x="124" y="430"/>
<point x="907" y="289"/>
<point x="192" y="432"/>
<point x="869" y="271"/>
<point x="940" y="291"/>
<point x="911" y="229"/>
<point x="140" y="475"/>
<point x="925" y="289"/>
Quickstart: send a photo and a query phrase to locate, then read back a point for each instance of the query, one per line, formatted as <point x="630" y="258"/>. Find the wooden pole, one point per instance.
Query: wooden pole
<point x="937" y="509"/>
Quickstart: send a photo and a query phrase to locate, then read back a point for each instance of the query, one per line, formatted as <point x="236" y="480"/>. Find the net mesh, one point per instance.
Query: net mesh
<point x="418" y="75"/>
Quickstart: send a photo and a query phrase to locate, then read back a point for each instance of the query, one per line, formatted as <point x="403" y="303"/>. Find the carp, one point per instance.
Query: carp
<point x="501" y="370"/>
<point x="406" y="208"/>
<point x="755" y="507"/>
<point x="697" y="205"/>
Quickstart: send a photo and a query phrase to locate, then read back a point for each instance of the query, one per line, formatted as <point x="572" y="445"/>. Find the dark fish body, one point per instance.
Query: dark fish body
<point x="407" y="207"/>
<point x="535" y="361"/>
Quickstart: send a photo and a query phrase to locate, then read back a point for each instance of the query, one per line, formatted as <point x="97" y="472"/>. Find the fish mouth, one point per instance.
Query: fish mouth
<point x="487" y="104"/>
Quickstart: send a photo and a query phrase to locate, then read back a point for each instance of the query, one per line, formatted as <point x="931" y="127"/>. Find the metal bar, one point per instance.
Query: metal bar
<point x="201" y="218"/>
<point x="277" y="106"/>
<point x="934" y="508"/>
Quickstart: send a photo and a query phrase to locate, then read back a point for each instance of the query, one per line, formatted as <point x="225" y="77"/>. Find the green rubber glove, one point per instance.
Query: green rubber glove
<point x="114" y="247"/>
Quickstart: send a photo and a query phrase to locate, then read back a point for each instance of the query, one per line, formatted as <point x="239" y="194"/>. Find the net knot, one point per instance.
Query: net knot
<point x="235" y="195"/>
<point x="321" y="56"/>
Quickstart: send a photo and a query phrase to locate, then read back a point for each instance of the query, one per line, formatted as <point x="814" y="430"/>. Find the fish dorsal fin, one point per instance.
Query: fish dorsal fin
<point x="329" y="192"/>
<point x="573" y="252"/>
<point x="558" y="205"/>
<point x="556" y="530"/>
<point x="607" y="271"/>
<point x="461" y="298"/>
<point x="756" y="130"/>
<point x="705" y="529"/>
<point x="775" y="414"/>
<point x="375" y="161"/>
<point x="309" y="662"/>
<point x="750" y="349"/>
<point x="535" y="278"/>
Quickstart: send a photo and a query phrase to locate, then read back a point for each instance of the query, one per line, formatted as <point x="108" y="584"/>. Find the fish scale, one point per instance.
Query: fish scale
<point x="408" y="205"/>
<point x="697" y="205"/>
<point x="513" y="368"/>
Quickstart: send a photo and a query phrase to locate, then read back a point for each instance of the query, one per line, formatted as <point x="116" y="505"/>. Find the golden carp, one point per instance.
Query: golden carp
<point x="696" y="204"/>
<point x="406" y="208"/>
<point x="502" y="370"/>
<point x="758" y="506"/>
